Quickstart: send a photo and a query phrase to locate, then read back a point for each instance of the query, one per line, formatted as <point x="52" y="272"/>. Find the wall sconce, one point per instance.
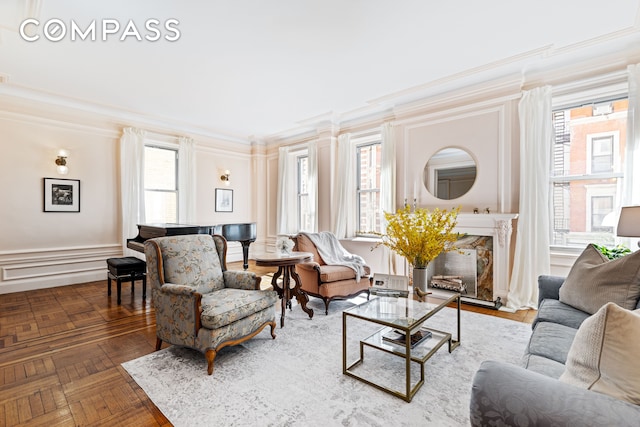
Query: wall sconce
<point x="225" y="177"/>
<point x="61" y="161"/>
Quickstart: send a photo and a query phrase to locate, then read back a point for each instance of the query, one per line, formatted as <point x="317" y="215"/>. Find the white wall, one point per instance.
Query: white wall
<point x="44" y="249"/>
<point x="486" y="127"/>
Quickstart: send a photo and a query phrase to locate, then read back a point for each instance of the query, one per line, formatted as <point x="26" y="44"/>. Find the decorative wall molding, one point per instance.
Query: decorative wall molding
<point x="46" y="268"/>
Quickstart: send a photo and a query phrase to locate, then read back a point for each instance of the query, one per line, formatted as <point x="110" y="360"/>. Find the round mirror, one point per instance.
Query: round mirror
<point x="450" y="173"/>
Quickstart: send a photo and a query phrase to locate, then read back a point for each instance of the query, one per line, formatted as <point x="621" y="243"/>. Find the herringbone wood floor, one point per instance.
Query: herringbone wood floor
<point x="61" y="350"/>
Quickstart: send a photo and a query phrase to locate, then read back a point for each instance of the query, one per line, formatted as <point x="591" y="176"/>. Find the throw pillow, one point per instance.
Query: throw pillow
<point x="604" y="354"/>
<point x="594" y="281"/>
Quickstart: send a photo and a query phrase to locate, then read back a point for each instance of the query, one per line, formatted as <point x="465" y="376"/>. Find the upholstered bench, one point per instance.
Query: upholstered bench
<point x="124" y="270"/>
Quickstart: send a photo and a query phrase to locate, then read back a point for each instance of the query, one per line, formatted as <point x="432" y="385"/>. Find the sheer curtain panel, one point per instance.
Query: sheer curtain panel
<point x="131" y="184"/>
<point x="345" y="191"/>
<point x="388" y="184"/>
<point x="286" y="219"/>
<point x="312" y="181"/>
<point x="532" y="246"/>
<point x="631" y="192"/>
<point x="186" y="180"/>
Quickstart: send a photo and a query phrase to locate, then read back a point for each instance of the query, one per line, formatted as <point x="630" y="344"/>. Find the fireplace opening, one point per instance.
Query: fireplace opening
<point x="455" y="271"/>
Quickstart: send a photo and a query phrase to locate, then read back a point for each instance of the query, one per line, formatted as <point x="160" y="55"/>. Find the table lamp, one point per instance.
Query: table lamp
<point x="629" y="222"/>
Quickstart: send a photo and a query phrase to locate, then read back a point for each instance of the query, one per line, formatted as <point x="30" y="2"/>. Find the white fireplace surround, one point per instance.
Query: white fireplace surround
<point x="500" y="227"/>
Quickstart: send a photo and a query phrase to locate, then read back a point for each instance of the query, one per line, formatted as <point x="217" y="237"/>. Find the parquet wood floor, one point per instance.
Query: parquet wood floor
<point x="61" y="350"/>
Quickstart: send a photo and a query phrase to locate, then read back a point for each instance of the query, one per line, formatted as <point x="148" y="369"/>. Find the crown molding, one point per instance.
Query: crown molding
<point x="115" y="114"/>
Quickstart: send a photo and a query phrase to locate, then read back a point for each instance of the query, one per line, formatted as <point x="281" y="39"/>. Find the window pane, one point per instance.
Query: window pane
<point x="369" y="164"/>
<point x="160" y="182"/>
<point x="303" y="175"/>
<point x="305" y="217"/>
<point x="602" y="154"/>
<point x="587" y="143"/>
<point x="160" y="206"/>
<point x="369" y="211"/>
<point x="601" y="206"/>
<point x="159" y="168"/>
<point x="369" y="156"/>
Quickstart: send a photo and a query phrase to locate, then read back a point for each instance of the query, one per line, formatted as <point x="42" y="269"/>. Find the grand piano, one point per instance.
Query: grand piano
<point x="245" y="233"/>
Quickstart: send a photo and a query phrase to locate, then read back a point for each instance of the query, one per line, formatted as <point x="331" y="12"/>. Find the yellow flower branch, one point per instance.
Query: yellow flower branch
<point x="420" y="236"/>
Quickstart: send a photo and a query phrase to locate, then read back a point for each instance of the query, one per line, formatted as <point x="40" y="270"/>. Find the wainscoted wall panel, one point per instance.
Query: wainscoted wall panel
<point x="35" y="269"/>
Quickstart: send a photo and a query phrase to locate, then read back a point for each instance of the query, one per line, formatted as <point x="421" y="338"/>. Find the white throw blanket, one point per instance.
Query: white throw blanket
<point x="333" y="253"/>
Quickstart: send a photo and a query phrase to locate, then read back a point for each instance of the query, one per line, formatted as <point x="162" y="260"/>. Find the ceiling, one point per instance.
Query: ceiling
<point x="250" y="69"/>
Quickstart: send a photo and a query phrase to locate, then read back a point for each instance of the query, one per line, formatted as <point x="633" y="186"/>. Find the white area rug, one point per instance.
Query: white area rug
<point x="297" y="380"/>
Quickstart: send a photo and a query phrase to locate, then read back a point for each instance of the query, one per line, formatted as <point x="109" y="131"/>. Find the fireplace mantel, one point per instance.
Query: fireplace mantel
<point x="500" y="227"/>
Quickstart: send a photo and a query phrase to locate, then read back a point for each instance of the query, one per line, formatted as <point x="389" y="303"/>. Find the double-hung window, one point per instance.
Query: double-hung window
<point x="161" y="184"/>
<point x="368" y="158"/>
<point x="587" y="172"/>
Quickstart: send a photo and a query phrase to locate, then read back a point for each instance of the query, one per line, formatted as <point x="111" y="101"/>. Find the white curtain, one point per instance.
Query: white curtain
<point x="312" y="181"/>
<point x="631" y="191"/>
<point x="388" y="184"/>
<point x="532" y="245"/>
<point x="388" y="170"/>
<point x="286" y="210"/>
<point x="345" y="192"/>
<point x="131" y="184"/>
<point x="186" y="181"/>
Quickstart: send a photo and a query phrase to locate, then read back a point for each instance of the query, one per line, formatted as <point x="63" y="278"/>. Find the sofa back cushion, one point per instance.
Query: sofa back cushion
<point x="594" y="280"/>
<point x="604" y="354"/>
<point x="192" y="260"/>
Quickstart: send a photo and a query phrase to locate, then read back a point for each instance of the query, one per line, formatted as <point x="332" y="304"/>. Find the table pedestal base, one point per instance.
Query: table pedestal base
<point x="286" y="292"/>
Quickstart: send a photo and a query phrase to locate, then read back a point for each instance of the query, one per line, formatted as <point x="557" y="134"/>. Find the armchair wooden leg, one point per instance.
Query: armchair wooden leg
<point x="210" y="355"/>
<point x="273" y="329"/>
<point x="158" y="344"/>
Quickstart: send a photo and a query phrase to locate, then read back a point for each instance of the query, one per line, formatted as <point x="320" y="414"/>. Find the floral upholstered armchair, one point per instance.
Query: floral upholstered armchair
<point x="198" y="302"/>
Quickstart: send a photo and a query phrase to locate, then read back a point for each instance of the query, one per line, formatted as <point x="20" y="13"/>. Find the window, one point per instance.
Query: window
<point x="304" y="216"/>
<point x="586" y="179"/>
<point x="161" y="184"/>
<point x="602" y="154"/>
<point x="368" y="157"/>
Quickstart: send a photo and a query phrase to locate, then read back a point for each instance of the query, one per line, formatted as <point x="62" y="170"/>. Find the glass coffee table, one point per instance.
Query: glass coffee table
<point x="399" y="317"/>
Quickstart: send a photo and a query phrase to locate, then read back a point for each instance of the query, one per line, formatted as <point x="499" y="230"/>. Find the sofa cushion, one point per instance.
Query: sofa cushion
<point x="333" y="273"/>
<point x="228" y="305"/>
<point x="604" y="354"/>
<point x="594" y="280"/>
<point x="551" y="310"/>
<point x="551" y="340"/>
<point x="542" y="365"/>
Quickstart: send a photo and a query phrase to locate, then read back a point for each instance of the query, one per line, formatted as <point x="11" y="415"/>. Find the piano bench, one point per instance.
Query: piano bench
<point x="124" y="270"/>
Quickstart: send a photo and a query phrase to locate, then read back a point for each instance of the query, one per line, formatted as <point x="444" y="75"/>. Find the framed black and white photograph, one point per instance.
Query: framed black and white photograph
<point x="61" y="195"/>
<point x="224" y="200"/>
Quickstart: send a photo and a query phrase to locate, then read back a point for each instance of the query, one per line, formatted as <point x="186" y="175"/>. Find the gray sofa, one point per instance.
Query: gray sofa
<point x="532" y="395"/>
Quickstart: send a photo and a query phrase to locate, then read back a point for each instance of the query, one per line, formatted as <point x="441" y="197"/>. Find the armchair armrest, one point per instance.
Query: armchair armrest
<point x="241" y="280"/>
<point x="311" y="265"/>
<point x="174" y="289"/>
<point x="178" y="304"/>
<point x="506" y="394"/>
<point x="549" y="287"/>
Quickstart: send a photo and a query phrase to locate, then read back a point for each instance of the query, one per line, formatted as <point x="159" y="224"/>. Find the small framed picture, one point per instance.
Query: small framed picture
<point x="61" y="195"/>
<point x="224" y="200"/>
